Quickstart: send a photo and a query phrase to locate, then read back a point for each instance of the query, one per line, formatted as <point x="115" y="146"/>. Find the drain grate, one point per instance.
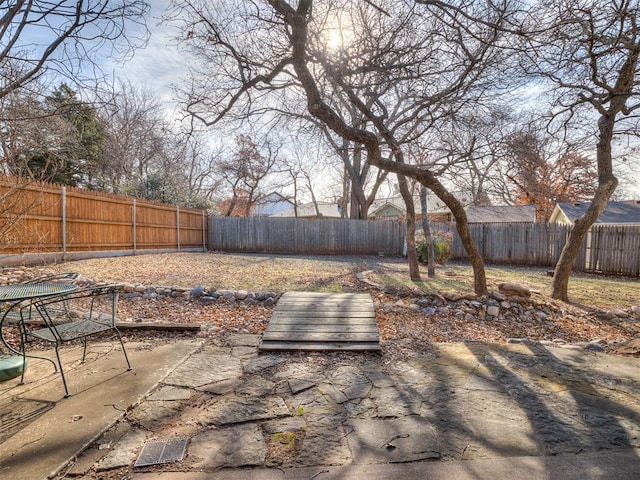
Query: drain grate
<point x="156" y="452"/>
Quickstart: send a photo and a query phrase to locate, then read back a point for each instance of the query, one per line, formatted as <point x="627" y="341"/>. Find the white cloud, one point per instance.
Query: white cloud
<point x="156" y="67"/>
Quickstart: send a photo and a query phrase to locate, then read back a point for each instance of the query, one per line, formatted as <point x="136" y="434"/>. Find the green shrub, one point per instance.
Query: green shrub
<point x="441" y="249"/>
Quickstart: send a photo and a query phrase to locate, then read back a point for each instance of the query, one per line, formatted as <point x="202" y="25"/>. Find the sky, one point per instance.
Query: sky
<point x="156" y="67"/>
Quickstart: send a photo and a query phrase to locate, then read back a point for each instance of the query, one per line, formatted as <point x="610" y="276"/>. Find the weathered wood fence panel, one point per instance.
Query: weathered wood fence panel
<point x="46" y="218"/>
<point x="613" y="250"/>
<point x="526" y="243"/>
<point x="306" y="236"/>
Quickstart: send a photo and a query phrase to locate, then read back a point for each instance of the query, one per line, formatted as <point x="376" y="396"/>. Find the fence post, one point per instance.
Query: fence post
<point x="135" y="233"/>
<point x="204" y="237"/>
<point x="178" y="225"/>
<point x="63" y="194"/>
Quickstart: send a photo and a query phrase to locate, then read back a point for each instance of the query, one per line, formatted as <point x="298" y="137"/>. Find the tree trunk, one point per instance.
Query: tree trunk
<point x="428" y="179"/>
<point x="607" y="184"/>
<point x="412" y="254"/>
<point x="431" y="260"/>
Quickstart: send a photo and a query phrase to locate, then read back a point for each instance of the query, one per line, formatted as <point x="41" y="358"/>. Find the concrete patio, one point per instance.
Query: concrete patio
<point x="471" y="411"/>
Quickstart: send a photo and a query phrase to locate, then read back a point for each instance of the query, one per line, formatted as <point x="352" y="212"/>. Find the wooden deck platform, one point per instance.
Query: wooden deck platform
<point x="322" y="322"/>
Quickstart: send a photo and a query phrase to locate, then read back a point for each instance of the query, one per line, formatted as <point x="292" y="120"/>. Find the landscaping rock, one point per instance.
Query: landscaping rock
<point x="498" y="296"/>
<point x="594" y="347"/>
<point x="241" y="295"/>
<point x="202" y="369"/>
<point x="407" y="439"/>
<point x="514" y="289"/>
<point x="198" y="291"/>
<point x="124" y="452"/>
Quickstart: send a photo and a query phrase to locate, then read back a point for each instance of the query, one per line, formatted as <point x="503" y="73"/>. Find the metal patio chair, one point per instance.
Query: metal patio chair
<point x="78" y="316"/>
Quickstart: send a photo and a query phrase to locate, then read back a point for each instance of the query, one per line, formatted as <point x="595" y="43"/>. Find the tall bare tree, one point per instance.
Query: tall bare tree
<point x="362" y="180"/>
<point x="401" y="71"/>
<point x="244" y="174"/>
<point x="136" y="134"/>
<point x="587" y="52"/>
<point x="543" y="177"/>
<point x="63" y="36"/>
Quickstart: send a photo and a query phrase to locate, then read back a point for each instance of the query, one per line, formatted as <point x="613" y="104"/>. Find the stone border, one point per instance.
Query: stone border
<point x="199" y="293"/>
<point x="136" y="292"/>
<point x="496" y="306"/>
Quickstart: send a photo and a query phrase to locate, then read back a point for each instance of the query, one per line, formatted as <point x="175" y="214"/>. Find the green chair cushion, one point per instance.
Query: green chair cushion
<point x="11" y="367"/>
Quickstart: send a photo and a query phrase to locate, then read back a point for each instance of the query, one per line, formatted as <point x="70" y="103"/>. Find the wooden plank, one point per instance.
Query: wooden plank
<point x="302" y="294"/>
<point x="327" y="312"/>
<point x="311" y="309"/>
<point x="324" y="301"/>
<point x="321" y="346"/>
<point x="294" y="327"/>
<point x="322" y="314"/>
<point x="322" y="337"/>
<point x="287" y="320"/>
<point x="308" y="302"/>
<point x="173" y="327"/>
<point x="325" y="298"/>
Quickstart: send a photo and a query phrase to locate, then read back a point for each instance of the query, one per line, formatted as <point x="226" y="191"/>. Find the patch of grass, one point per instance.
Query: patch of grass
<point x="254" y="272"/>
<point x="585" y="289"/>
<point x="285" y="439"/>
<point x="280" y="273"/>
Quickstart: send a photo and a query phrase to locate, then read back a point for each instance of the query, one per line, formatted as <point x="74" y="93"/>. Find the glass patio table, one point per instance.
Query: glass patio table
<point x="17" y="299"/>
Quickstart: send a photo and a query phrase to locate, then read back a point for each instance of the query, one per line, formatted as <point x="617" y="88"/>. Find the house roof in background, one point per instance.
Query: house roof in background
<point x="327" y="210"/>
<point x="501" y="214"/>
<point x="614" y="213"/>
<point x="434" y="204"/>
<point x="271" y="204"/>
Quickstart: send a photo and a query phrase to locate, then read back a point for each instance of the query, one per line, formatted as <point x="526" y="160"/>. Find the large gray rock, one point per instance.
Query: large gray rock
<point x="407" y="439"/>
<point x="202" y="369"/>
<point x="124" y="451"/>
<point x="324" y="446"/>
<point x="233" y="409"/>
<point x="234" y="447"/>
<point x="154" y="416"/>
<point x="514" y="289"/>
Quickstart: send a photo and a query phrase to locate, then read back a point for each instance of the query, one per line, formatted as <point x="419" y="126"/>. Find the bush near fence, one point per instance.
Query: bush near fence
<point x="41" y="218"/>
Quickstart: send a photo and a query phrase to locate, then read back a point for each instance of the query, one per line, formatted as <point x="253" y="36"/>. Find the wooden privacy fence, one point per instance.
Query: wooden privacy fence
<point x="515" y="243"/>
<point x="46" y="218"/>
<point x="613" y="250"/>
<point x="610" y="250"/>
<point x="306" y="236"/>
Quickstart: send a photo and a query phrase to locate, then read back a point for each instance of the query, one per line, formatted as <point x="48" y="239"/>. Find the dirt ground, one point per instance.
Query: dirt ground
<point x="398" y="323"/>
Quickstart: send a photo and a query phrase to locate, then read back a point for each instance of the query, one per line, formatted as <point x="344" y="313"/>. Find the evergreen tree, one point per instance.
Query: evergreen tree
<point x="76" y="160"/>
